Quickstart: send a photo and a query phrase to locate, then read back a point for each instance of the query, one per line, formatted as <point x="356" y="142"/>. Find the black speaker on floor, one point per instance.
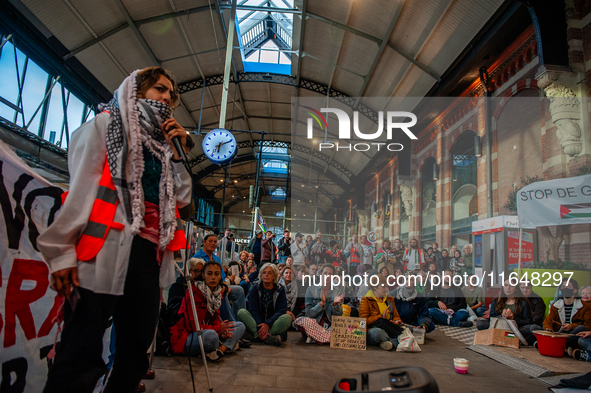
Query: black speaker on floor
<point x="398" y="379"/>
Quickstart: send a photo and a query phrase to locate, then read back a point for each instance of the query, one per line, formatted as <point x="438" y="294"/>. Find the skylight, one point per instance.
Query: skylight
<point x="266" y="36"/>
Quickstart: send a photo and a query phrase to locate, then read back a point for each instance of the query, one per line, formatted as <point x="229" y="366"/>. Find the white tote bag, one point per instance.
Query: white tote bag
<point x="407" y="342"/>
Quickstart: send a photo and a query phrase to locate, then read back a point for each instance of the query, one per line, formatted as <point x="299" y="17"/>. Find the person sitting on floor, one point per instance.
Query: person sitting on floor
<point x="536" y="303"/>
<point x="412" y="308"/>
<point x="568" y="314"/>
<point x="447" y="305"/>
<point x="510" y="304"/>
<point x="474" y="296"/>
<point x="379" y="311"/>
<point x="293" y="293"/>
<point x="266" y="317"/>
<point x="219" y="337"/>
<point x="422" y="284"/>
<point x="322" y="304"/>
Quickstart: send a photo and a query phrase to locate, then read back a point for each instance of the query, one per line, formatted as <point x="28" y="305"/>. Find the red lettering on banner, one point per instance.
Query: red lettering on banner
<point x="49" y="321"/>
<point x="17" y="301"/>
<point x="1" y="320"/>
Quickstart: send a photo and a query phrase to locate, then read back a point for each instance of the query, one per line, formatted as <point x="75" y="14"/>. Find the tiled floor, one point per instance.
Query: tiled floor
<point x="297" y="367"/>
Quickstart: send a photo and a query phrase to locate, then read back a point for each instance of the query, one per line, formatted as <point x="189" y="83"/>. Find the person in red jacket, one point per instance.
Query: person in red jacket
<point x="219" y="337"/>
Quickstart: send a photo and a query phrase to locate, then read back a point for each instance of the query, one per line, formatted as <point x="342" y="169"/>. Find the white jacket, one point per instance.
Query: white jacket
<point x="107" y="271"/>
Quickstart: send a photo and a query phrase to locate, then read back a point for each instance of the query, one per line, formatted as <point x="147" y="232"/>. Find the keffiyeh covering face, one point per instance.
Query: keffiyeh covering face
<point x="135" y="123"/>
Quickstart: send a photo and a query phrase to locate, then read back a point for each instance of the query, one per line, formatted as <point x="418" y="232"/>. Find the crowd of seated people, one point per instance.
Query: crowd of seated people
<point x="246" y="301"/>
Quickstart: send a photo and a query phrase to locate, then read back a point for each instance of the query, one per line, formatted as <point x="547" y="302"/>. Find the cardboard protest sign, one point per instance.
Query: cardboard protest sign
<point x="348" y="333"/>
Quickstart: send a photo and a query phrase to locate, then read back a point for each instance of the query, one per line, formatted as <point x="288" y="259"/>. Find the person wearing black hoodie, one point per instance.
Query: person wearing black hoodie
<point x="447" y="305"/>
<point x="412" y="308"/>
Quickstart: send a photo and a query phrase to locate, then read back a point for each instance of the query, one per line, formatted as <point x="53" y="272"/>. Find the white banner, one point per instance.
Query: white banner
<point x="27" y="305"/>
<point x="555" y="202"/>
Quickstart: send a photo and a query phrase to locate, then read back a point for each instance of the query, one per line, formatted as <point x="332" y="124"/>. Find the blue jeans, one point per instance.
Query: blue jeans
<point x="211" y="340"/>
<point x="481" y="310"/>
<point x="442" y="318"/>
<point x="236" y="295"/>
<point x="282" y="259"/>
<point x="375" y="336"/>
<point x="427" y="321"/>
<point x="584" y="344"/>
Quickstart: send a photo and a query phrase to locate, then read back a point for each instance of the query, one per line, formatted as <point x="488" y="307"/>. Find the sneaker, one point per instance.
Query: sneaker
<point x="535" y="345"/>
<point x="247" y="337"/>
<point x="215" y="356"/>
<point x="466" y="324"/>
<point x="272" y="340"/>
<point x="582" y="355"/>
<point x="386" y="345"/>
<point x="244" y="343"/>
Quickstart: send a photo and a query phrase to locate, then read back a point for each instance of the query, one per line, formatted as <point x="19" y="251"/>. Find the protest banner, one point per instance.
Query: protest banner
<point x="27" y="306"/>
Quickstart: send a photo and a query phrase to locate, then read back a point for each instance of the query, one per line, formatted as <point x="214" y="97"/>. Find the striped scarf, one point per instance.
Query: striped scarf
<point x="135" y="123"/>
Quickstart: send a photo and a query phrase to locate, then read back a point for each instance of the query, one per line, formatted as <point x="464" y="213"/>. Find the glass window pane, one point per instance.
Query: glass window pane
<point x="55" y="115"/>
<point x="33" y="93"/>
<point x="8" y="82"/>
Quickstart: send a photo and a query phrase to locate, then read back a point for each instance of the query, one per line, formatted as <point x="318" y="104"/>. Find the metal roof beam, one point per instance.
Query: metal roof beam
<point x="137" y="33"/>
<point x="382" y="47"/>
<point x="263" y="9"/>
<point x="377" y="41"/>
<point x="301" y="48"/>
<point x="137" y="23"/>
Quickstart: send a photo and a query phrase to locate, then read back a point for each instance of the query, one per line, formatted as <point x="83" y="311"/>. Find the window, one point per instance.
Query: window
<point x="464" y="185"/>
<point x="266" y="36"/>
<point x="403" y="223"/>
<point x="32" y="99"/>
<point x="428" y="202"/>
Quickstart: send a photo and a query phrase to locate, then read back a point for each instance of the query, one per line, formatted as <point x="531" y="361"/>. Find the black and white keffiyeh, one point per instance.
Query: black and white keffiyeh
<point x="213" y="298"/>
<point x="135" y="123"/>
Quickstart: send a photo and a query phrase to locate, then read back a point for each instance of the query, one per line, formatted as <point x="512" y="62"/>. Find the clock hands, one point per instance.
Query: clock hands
<point x="217" y="148"/>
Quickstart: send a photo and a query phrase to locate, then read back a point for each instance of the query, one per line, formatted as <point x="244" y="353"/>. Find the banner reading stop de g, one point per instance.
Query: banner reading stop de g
<point x="555" y="202"/>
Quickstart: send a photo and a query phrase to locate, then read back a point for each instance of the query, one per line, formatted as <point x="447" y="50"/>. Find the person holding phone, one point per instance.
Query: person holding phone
<point x="112" y="242"/>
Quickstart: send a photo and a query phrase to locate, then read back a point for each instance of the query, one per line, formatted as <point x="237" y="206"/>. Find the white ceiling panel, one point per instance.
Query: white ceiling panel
<point x="61" y="21"/>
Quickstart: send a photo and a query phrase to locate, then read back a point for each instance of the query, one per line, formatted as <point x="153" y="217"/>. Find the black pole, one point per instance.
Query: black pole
<point x="256" y="182"/>
<point x="223" y="199"/>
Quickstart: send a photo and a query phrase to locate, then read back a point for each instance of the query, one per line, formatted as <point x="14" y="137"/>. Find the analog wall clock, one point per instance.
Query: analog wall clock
<point x="220" y="146"/>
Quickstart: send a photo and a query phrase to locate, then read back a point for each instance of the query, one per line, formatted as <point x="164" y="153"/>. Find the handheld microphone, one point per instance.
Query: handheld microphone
<point x="176" y="141"/>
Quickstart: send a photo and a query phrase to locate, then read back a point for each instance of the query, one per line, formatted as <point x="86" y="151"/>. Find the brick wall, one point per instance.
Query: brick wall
<point x="519" y="142"/>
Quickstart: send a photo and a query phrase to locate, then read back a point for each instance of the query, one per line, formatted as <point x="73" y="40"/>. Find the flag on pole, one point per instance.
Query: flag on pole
<point x="261" y="222"/>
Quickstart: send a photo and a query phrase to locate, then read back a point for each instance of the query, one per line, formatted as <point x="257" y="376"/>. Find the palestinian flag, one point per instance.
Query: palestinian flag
<point x="578" y="210"/>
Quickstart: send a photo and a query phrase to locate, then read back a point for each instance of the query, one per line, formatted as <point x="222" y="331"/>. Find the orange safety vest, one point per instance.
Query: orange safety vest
<point x="179" y="241"/>
<point x="102" y="217"/>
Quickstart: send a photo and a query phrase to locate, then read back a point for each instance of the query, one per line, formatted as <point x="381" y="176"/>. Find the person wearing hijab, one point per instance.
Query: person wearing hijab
<point x="123" y="157"/>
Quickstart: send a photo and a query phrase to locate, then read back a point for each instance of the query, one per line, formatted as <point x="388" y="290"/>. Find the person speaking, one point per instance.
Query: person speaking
<point x="110" y="248"/>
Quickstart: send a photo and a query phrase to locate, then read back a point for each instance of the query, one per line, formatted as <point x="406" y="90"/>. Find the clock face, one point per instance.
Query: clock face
<point x="220" y="146"/>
